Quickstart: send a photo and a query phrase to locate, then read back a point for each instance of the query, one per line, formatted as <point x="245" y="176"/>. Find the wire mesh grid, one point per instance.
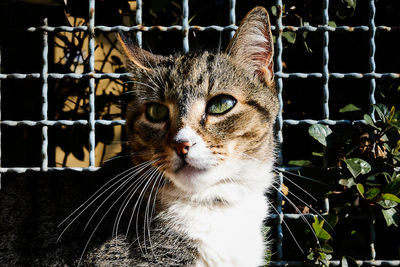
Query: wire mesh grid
<point x="185" y="28"/>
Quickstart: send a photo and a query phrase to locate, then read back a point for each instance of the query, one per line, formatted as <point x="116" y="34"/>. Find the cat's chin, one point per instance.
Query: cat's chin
<point x="190" y="172"/>
<point x="189" y="178"/>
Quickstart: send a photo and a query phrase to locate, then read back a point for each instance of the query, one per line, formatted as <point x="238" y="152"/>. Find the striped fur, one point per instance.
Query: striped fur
<point x="212" y="200"/>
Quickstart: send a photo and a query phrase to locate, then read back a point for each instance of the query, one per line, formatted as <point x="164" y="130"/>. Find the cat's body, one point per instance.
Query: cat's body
<point x="200" y="128"/>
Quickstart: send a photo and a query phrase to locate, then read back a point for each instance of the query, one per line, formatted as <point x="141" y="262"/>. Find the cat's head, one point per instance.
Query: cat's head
<point x="206" y="120"/>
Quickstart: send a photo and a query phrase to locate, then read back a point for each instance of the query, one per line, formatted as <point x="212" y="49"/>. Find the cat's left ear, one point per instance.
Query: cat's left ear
<point x="136" y="57"/>
<point x="253" y="45"/>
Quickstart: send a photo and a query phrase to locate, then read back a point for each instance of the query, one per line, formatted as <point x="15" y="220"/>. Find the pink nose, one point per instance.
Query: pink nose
<point x="182" y="148"/>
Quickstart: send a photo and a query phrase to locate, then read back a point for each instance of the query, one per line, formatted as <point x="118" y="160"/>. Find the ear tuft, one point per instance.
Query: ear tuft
<point x="253" y="45"/>
<point x="136" y="57"/>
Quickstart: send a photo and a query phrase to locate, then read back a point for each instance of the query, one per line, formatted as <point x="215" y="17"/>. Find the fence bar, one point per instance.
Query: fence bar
<point x="372" y="233"/>
<point x="185" y="25"/>
<point x="336" y="263"/>
<point x="232" y="16"/>
<point x="363" y="28"/>
<point x="92" y="93"/>
<point x="279" y="123"/>
<point x="45" y="137"/>
<point x="372" y="87"/>
<point x="325" y="79"/>
<point x="296" y="75"/>
<point x="325" y="61"/>
<point x="122" y="122"/>
<point x="139" y="22"/>
<point x="60" y="122"/>
<point x="372" y="48"/>
<point x="38" y="169"/>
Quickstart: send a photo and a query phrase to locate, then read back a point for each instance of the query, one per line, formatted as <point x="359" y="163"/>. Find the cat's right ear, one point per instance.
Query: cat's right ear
<point x="136" y="57"/>
<point x="253" y="46"/>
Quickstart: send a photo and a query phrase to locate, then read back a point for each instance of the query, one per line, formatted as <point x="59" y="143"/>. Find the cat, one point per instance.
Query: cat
<point x="205" y="122"/>
<point x="200" y="131"/>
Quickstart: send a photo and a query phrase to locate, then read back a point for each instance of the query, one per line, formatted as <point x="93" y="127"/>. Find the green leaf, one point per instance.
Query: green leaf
<point x="391" y="197"/>
<point x="395" y="124"/>
<point x="372" y="181"/>
<point x="332" y="24"/>
<point x="360" y="189"/>
<point x="357" y="166"/>
<point x="346" y="9"/>
<point x="320" y="133"/>
<point x="347" y="182"/>
<point x="382" y="110"/>
<point x="349" y="262"/>
<point x="321" y="154"/>
<point x="391" y="216"/>
<point x="289" y="36"/>
<point x="387" y="204"/>
<point x="392" y="112"/>
<point x="320" y="232"/>
<point x="311" y="256"/>
<point x="326" y="248"/>
<point x="372" y="193"/>
<point x="349" y="108"/>
<point x="331" y="221"/>
<point x="393" y="187"/>
<point x="300" y="163"/>
<point x="350" y="3"/>
<point x="369" y="121"/>
<point x="397" y="148"/>
<point x="273" y="11"/>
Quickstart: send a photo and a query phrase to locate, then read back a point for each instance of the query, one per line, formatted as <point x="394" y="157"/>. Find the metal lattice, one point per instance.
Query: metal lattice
<point x="185" y="28"/>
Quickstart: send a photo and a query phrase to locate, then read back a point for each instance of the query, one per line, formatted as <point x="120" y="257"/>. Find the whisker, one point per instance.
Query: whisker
<point x="132" y="154"/>
<point x="148" y="216"/>
<point x="141" y="197"/>
<point x="287" y="226"/>
<point x="126" y="201"/>
<point x="101" y="220"/>
<point x="302" y="189"/>
<point x="298" y="175"/>
<point x="93" y="199"/>
<point x="299" y="212"/>
<point x="136" y="185"/>
<point x="311" y="208"/>
<point x="137" y="205"/>
<point x="144" y="84"/>
<point x="117" y="189"/>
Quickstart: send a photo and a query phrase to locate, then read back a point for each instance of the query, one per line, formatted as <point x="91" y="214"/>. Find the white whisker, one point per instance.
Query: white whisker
<point x="287" y="226"/>
<point x="117" y="189"/>
<point x="94" y="198"/>
<point x="302" y="189"/>
<point x="103" y="217"/>
<point x="126" y="201"/>
<point x="299" y="212"/>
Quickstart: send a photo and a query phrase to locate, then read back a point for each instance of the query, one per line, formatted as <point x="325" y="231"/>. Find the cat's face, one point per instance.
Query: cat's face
<point x="204" y="118"/>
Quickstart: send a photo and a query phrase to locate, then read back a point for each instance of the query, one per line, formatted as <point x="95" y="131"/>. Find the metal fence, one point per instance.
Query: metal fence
<point x="372" y="76"/>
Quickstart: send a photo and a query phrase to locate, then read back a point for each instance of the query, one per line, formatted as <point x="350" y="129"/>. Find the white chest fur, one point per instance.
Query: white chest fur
<point x="227" y="235"/>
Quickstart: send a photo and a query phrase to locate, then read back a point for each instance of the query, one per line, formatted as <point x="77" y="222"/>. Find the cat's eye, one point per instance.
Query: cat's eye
<point x="220" y="104"/>
<point x="156" y="112"/>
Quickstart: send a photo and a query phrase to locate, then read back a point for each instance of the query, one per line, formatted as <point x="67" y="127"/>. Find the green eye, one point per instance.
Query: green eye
<point x="220" y="104"/>
<point x="156" y="112"/>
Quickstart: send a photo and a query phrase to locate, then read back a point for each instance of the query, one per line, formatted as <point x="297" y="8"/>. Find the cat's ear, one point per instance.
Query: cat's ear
<point x="136" y="57"/>
<point x="253" y="45"/>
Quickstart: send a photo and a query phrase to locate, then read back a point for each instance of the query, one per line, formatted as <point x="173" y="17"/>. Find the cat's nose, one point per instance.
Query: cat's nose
<point x="182" y="148"/>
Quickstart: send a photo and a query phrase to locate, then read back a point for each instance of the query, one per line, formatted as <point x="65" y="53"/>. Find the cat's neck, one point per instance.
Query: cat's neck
<point x="227" y="234"/>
